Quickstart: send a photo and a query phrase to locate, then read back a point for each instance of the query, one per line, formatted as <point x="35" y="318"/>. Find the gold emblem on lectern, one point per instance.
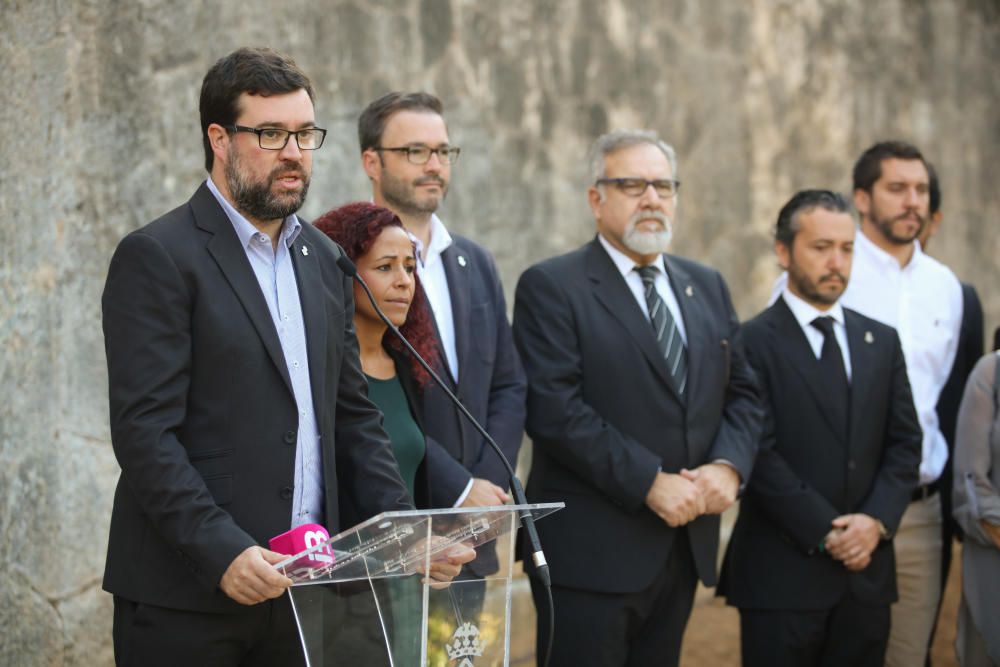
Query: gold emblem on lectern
<point x="465" y="644"/>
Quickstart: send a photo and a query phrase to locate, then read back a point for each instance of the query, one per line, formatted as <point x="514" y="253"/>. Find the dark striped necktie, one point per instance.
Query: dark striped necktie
<point x="668" y="336"/>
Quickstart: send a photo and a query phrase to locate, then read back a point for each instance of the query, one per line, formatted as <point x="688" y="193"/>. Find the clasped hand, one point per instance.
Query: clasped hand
<point x="852" y="540"/>
<point x="681" y="498"/>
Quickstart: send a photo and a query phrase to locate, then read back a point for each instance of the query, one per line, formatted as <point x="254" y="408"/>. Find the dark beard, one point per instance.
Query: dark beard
<point x="810" y="292"/>
<point x="885" y="226"/>
<point x="255" y="200"/>
<point x="401" y="197"/>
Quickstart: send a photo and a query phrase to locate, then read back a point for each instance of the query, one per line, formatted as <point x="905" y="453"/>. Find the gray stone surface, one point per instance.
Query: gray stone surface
<point x="101" y="134"/>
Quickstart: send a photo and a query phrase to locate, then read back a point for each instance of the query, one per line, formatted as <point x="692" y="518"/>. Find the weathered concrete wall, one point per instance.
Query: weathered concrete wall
<point x="100" y="131"/>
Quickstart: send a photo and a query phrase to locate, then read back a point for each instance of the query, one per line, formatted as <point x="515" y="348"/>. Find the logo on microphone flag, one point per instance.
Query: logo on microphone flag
<point x="304" y="538"/>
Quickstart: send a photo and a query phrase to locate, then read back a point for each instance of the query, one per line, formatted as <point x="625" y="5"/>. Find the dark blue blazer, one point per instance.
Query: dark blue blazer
<point x="491" y="381"/>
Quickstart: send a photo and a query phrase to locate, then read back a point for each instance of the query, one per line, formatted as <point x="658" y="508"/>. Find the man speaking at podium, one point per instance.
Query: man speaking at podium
<point x="238" y="406"/>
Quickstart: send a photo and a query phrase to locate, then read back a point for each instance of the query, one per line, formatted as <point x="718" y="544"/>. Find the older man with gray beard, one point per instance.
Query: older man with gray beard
<point x="643" y="412"/>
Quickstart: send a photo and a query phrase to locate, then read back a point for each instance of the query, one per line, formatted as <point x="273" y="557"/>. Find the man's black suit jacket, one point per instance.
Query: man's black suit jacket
<point x="490" y="380"/>
<point x="605" y="418"/>
<point x="203" y="419"/>
<point x="806" y="475"/>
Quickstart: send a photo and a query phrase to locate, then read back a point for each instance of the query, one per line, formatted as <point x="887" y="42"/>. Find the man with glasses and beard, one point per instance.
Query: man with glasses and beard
<point x="238" y="405"/>
<point x="408" y="157"/>
<point x="643" y="412"/>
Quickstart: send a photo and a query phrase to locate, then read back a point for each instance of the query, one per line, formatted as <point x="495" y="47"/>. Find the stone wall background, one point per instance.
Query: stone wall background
<point x="100" y="135"/>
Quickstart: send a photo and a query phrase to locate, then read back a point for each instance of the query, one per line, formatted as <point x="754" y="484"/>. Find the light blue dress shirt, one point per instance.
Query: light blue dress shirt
<point x="276" y="277"/>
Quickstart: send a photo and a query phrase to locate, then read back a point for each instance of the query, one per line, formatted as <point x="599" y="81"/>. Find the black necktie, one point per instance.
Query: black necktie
<point x="831" y="364"/>
<point x="668" y="336"/>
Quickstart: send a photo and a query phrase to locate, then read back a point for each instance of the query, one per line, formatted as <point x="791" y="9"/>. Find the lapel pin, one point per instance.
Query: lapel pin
<point x="689" y="290"/>
<point x="869" y="338"/>
<point x="305" y="251"/>
<point x="461" y="260"/>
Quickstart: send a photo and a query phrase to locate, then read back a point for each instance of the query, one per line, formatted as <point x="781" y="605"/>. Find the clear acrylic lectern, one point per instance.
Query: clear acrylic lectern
<point x="362" y="598"/>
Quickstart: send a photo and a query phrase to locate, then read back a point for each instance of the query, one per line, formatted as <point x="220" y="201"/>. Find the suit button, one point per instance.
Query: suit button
<point x="851" y="465"/>
<point x="290" y="437"/>
<point x="286" y="493"/>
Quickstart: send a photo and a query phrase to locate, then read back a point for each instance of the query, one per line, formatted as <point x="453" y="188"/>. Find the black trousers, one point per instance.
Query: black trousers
<point x="849" y="634"/>
<point x="626" y="629"/>
<point x="262" y="635"/>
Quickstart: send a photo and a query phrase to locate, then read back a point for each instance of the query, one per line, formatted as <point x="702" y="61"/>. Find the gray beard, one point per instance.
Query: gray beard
<point x="648" y="243"/>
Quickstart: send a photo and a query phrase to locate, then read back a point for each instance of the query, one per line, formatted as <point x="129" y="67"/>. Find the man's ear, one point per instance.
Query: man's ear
<point x="594" y="199"/>
<point x="935" y="222"/>
<point x="862" y="202"/>
<point x="218" y="139"/>
<point x="784" y="254"/>
<point x="371" y="162"/>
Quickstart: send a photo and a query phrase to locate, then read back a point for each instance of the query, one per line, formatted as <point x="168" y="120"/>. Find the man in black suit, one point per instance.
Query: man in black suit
<point x="407" y="155"/>
<point x="238" y="406"/>
<point x="643" y="412"/>
<point x="810" y="563"/>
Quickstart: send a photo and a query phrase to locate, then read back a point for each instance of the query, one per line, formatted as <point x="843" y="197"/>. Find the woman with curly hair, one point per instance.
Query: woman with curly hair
<point x="374" y="239"/>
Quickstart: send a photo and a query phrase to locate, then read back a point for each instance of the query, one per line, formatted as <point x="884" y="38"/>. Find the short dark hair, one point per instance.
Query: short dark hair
<point x="868" y="168"/>
<point x="933" y="188"/>
<point x="801" y="202"/>
<point x="255" y="71"/>
<point x="372" y="121"/>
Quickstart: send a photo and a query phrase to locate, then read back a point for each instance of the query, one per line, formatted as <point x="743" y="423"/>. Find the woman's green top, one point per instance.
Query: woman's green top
<point x="407" y="439"/>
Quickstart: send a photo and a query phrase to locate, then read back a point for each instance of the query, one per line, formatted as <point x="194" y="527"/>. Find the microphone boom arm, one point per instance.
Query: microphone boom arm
<point x="527" y="520"/>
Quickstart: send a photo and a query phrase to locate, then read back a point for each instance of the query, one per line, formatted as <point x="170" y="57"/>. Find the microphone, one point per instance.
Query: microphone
<point x="298" y="540"/>
<point x="527" y="520"/>
<point x="301" y="538"/>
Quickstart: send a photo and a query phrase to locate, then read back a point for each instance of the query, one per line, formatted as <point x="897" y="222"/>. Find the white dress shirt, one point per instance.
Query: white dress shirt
<point x="805" y="313"/>
<point x="923" y="302"/>
<point x="430" y="269"/>
<point x="434" y="280"/>
<point x="626" y="265"/>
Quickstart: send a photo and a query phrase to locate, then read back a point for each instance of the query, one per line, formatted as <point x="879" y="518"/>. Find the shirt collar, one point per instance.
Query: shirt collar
<point x="440" y="240"/>
<point x="805" y="312"/>
<point x="626" y="264"/>
<point x="884" y="259"/>
<point x="245" y="230"/>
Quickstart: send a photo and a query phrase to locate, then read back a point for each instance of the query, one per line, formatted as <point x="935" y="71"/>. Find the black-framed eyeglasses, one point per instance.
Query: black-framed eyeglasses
<point x="634" y="187"/>
<point x="275" y="138"/>
<point x="422" y="154"/>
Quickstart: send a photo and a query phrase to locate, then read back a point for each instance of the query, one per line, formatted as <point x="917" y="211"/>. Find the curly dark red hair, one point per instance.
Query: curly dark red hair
<point x="355" y="227"/>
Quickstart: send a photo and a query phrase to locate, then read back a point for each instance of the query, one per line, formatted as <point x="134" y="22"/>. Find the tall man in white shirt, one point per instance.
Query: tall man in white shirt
<point x="407" y="155"/>
<point x="894" y="282"/>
